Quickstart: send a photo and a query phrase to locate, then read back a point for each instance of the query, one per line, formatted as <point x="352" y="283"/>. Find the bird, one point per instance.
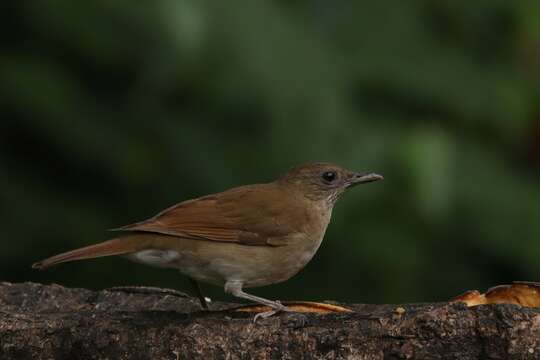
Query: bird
<point x="245" y="237"/>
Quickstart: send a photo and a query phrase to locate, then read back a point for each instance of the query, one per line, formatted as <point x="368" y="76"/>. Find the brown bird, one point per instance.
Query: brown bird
<point x="248" y="236"/>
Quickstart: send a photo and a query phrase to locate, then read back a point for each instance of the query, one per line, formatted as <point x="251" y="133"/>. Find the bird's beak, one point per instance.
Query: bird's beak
<point x="362" y="178"/>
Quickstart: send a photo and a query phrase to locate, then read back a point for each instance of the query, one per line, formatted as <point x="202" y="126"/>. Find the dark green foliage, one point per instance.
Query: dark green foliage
<point x="111" y="111"/>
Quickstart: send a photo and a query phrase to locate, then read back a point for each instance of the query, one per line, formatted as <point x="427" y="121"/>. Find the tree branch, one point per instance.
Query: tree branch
<point x="53" y="322"/>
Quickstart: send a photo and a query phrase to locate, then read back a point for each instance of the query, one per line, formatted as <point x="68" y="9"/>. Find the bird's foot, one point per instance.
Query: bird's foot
<point x="275" y="310"/>
<point x="205" y="305"/>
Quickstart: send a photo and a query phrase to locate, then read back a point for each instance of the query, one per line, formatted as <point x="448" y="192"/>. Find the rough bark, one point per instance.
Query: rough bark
<point x="53" y="322"/>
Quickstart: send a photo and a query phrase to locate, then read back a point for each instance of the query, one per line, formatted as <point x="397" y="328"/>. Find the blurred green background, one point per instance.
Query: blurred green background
<point x="113" y="110"/>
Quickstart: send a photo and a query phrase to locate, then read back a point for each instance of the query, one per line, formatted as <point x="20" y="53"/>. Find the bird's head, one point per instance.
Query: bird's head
<point x="325" y="181"/>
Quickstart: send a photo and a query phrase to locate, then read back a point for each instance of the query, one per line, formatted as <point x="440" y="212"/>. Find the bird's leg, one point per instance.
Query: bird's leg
<point x="235" y="288"/>
<point x="197" y="288"/>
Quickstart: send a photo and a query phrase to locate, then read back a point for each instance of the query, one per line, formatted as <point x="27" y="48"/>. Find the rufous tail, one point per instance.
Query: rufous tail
<point x="119" y="246"/>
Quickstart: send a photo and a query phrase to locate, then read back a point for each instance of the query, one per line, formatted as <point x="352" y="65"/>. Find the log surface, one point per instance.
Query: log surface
<point x="53" y="322"/>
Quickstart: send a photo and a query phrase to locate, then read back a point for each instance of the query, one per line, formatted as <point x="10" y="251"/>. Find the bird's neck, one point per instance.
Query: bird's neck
<point x="319" y="209"/>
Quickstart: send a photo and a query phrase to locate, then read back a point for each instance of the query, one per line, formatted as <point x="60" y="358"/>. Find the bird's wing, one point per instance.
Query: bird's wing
<point x="249" y="215"/>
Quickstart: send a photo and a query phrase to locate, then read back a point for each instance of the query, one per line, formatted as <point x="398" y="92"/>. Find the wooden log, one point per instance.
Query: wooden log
<point x="53" y="322"/>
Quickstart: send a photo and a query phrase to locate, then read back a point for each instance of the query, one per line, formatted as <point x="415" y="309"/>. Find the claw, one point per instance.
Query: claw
<point x="267" y="314"/>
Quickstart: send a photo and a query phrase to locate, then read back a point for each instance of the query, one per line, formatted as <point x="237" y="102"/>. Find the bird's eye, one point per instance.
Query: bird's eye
<point x="329" y="176"/>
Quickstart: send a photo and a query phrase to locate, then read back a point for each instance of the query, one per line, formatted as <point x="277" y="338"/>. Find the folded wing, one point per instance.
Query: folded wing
<point x="248" y="215"/>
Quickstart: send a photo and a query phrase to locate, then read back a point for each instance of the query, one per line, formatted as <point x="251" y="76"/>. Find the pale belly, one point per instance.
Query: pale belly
<point x="218" y="262"/>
